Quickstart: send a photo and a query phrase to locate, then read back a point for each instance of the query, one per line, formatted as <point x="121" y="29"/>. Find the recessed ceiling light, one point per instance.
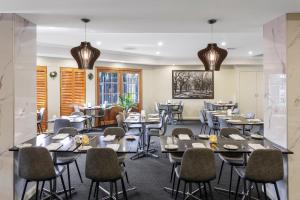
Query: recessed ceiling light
<point x="223" y="43"/>
<point x="250" y="52"/>
<point x="99" y="43"/>
<point x="160" y="44"/>
<point x="157" y="53"/>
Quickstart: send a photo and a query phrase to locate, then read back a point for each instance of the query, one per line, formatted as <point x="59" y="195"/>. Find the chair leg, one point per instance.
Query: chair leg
<point x="230" y="181"/>
<point x="37" y="190"/>
<point x="97" y="190"/>
<point x="205" y="191"/>
<point x="237" y="187"/>
<point x="123" y="188"/>
<point x="173" y="167"/>
<point x="24" y="190"/>
<point x="90" y="191"/>
<point x="201" y="128"/>
<point x="43" y="184"/>
<point x="78" y="171"/>
<point x="184" y="189"/>
<point x="116" y="189"/>
<point x="200" y="193"/>
<point x="178" y="184"/>
<point x="221" y="170"/>
<point x="173" y="186"/>
<point x="209" y="131"/>
<point x="64" y="186"/>
<point x="277" y="192"/>
<point x="148" y="144"/>
<point x="51" y="189"/>
<point x="210" y="191"/>
<point x="126" y="176"/>
<point x="265" y="191"/>
<point x="250" y="190"/>
<point x="69" y="179"/>
<point x="111" y="190"/>
<point x="258" y="195"/>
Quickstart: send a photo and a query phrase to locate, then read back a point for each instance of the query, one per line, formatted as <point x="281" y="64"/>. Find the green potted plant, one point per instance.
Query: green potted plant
<point x="126" y="102"/>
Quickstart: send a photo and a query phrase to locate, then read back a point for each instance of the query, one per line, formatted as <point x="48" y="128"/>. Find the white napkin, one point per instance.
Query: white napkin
<point x="109" y="138"/>
<point x="234" y="120"/>
<point x="253" y="120"/>
<point x="115" y="147"/>
<point x="54" y="146"/>
<point x="184" y="137"/>
<point x="153" y="118"/>
<point x="60" y="136"/>
<point x="256" y="146"/>
<point x="236" y="137"/>
<point x="84" y="148"/>
<point x="198" y="145"/>
<point x="220" y="115"/>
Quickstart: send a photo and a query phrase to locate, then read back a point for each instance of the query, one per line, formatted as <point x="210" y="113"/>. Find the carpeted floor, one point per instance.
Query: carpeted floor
<point x="151" y="175"/>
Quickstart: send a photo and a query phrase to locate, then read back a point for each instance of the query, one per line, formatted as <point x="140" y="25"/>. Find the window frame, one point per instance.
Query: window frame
<point x="120" y="72"/>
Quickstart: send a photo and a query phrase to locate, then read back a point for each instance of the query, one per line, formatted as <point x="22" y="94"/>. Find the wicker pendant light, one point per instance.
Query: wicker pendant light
<point x="85" y="55"/>
<point x="212" y="56"/>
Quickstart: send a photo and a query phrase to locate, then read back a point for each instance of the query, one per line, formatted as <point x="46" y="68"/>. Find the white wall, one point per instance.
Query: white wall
<point x="157" y="84"/>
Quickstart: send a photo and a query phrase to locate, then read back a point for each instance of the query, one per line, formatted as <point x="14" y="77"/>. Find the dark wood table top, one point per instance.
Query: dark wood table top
<point x="69" y="144"/>
<point x="218" y="148"/>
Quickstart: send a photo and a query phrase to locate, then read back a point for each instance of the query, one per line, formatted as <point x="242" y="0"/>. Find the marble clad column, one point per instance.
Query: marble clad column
<point x="282" y="95"/>
<point x="17" y="95"/>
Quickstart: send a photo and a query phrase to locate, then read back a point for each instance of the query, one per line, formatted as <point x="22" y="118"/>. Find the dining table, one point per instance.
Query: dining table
<point x="244" y="144"/>
<point x="223" y="105"/>
<point x="138" y="118"/>
<point x="64" y="143"/>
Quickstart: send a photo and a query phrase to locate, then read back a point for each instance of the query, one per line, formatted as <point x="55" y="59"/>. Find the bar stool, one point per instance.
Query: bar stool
<point x="102" y="165"/>
<point x="35" y="164"/>
<point x="198" y="166"/>
<point x="264" y="166"/>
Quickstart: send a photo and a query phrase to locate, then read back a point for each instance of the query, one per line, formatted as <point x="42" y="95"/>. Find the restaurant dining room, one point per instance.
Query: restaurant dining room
<point x="149" y="100"/>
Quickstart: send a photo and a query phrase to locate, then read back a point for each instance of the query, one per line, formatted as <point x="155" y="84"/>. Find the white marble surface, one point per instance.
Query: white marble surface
<point x="17" y="95"/>
<point x="282" y="95"/>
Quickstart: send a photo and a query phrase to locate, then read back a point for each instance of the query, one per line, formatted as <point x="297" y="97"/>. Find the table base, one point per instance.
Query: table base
<point x="189" y="194"/>
<point x="144" y="153"/>
<point x="131" y="188"/>
<point x="56" y="195"/>
<point x="243" y="195"/>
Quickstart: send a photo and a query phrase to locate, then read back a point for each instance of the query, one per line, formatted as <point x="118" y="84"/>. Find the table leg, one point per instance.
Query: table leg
<point x="131" y="188"/>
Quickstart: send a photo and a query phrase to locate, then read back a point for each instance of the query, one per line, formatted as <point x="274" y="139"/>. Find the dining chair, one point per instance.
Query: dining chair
<point x="61" y="123"/>
<point x="157" y="132"/>
<point x="99" y="116"/>
<point x="120" y="121"/>
<point x="76" y="108"/>
<point x="40" y="118"/>
<point x="231" y="159"/>
<point x="102" y="165"/>
<point x="119" y="133"/>
<point x="174" y="157"/>
<point x="222" y="123"/>
<point x="212" y="124"/>
<point x="203" y="121"/>
<point x="36" y="165"/>
<point x="198" y="167"/>
<point x="67" y="158"/>
<point x="264" y="166"/>
<point x="79" y="125"/>
<point x="178" y="111"/>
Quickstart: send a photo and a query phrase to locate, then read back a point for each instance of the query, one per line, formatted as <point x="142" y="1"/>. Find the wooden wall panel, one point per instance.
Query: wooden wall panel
<point x="72" y="89"/>
<point x="42" y="93"/>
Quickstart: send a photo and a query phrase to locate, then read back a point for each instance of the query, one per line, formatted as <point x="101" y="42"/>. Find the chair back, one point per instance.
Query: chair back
<point x="210" y="121"/>
<point x="165" y="125"/>
<point x="35" y="164"/>
<point x="163" y="114"/>
<point x="76" y="108"/>
<point x="225" y="132"/>
<point x="70" y="130"/>
<point x="117" y="131"/>
<point x="186" y="131"/>
<point x="236" y="111"/>
<point x="77" y="113"/>
<point x="61" y="123"/>
<point x="198" y="165"/>
<point x="222" y="123"/>
<point x="265" y="165"/>
<point x="250" y="115"/>
<point x="210" y="106"/>
<point x="42" y="111"/>
<point x="156" y="107"/>
<point x="102" y="165"/>
<point x="201" y="116"/>
<point x="120" y="120"/>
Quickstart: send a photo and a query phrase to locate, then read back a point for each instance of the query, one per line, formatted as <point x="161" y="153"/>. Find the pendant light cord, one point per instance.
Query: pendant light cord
<point x="85" y="32"/>
<point x="211" y="33"/>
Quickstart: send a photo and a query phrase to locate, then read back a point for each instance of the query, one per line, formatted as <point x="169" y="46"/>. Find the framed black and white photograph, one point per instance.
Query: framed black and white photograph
<point x="192" y="84"/>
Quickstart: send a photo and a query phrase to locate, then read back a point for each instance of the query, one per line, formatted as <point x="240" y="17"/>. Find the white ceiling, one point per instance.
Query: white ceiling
<point x="129" y="30"/>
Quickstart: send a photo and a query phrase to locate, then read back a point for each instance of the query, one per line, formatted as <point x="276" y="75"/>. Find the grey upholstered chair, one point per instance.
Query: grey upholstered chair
<point x="222" y="123"/>
<point x="157" y="132"/>
<point x="67" y="158"/>
<point x="35" y="164"/>
<point x="213" y="125"/>
<point x="264" y="166"/>
<point x="40" y="118"/>
<point x="61" y="123"/>
<point x="198" y="166"/>
<point x="178" y="111"/>
<point x="102" y="165"/>
<point x="203" y="121"/>
<point x="175" y="158"/>
<point x="231" y="159"/>
<point x="119" y="133"/>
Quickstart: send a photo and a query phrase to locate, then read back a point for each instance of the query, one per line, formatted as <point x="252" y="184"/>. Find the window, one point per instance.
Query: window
<point x="41" y="92"/>
<point x="113" y="82"/>
<point x="72" y="89"/>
